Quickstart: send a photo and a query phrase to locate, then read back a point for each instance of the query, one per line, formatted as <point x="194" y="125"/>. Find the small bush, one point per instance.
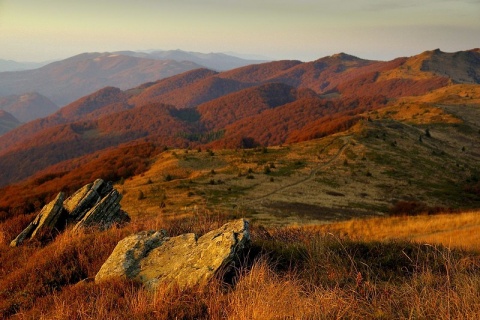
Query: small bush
<point x="414" y="208"/>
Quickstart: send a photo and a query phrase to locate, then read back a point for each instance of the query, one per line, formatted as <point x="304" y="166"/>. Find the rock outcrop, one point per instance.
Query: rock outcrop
<point x="151" y="257"/>
<point x="96" y="204"/>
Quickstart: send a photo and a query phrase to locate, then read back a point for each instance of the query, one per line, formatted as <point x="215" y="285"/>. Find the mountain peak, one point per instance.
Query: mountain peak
<point x="344" y="57"/>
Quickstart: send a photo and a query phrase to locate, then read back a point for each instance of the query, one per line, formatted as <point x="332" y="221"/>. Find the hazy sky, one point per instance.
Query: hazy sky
<point x="37" y="30"/>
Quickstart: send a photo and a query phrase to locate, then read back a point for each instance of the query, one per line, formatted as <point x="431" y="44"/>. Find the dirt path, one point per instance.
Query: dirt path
<point x="313" y="172"/>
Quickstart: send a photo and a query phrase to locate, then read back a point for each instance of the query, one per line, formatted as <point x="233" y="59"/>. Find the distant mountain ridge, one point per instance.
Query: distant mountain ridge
<point x="214" y="61"/>
<point x="10" y="65"/>
<point x="67" y="80"/>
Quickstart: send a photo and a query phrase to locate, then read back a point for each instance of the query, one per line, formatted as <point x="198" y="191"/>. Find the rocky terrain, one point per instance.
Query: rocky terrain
<point x="95" y="205"/>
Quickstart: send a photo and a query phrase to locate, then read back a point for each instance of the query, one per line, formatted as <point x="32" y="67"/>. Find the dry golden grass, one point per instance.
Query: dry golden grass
<point x="458" y="94"/>
<point x="297" y="274"/>
<point x="416" y="113"/>
<point x="452" y="230"/>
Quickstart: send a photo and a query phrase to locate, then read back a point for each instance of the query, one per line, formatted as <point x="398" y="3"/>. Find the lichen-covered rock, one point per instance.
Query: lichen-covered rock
<point x="125" y="258"/>
<point x="95" y="204"/>
<point x="46" y="220"/>
<point x="153" y="258"/>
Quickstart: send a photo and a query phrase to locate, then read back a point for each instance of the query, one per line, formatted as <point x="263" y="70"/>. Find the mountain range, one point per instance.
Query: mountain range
<point x="214" y="60"/>
<point x="69" y="79"/>
<point x="10" y="65"/>
<point x="265" y="104"/>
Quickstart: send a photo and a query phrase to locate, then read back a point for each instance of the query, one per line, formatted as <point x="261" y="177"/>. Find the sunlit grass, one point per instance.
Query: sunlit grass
<point x="452" y="230"/>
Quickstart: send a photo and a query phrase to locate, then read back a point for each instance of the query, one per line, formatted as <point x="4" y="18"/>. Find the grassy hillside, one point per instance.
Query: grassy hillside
<point x="338" y="270"/>
<point x="387" y="163"/>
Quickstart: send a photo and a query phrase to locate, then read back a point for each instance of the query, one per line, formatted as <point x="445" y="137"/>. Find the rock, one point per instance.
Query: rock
<point x="125" y="258"/>
<point x="85" y="198"/>
<point x="152" y="258"/>
<point x="50" y="214"/>
<point x="95" y="204"/>
<point x="104" y="213"/>
<point x="46" y="220"/>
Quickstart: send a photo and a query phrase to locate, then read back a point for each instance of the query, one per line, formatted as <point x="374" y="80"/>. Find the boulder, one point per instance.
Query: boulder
<point x="186" y="260"/>
<point x="46" y="220"/>
<point x="96" y="204"/>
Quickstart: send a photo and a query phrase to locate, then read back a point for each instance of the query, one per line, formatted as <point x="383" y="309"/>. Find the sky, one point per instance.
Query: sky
<point x="41" y="30"/>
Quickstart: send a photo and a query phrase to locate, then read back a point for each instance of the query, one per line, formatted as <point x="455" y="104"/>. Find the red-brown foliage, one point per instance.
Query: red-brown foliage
<point x="111" y="165"/>
<point x="367" y="85"/>
<point x="258" y="73"/>
<point x="199" y="92"/>
<point x="150" y="92"/>
<point x="73" y="140"/>
<point x="217" y="114"/>
<point x="105" y="101"/>
<point x="46" y="270"/>
<point x="304" y="119"/>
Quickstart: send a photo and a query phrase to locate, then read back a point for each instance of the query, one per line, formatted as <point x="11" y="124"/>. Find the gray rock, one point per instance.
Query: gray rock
<point x="104" y="213"/>
<point x="85" y="198"/>
<point x="95" y="204"/>
<point x="152" y="258"/>
<point x="46" y="220"/>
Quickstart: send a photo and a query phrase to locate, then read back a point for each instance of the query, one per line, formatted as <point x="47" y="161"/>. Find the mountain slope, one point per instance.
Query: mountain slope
<point x="28" y="107"/>
<point x="149" y="92"/>
<point x="103" y="102"/>
<point x="62" y="142"/>
<point x="67" y="80"/>
<point x="460" y="67"/>
<point x="191" y="92"/>
<point x="218" y="113"/>
<point x="7" y="122"/>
